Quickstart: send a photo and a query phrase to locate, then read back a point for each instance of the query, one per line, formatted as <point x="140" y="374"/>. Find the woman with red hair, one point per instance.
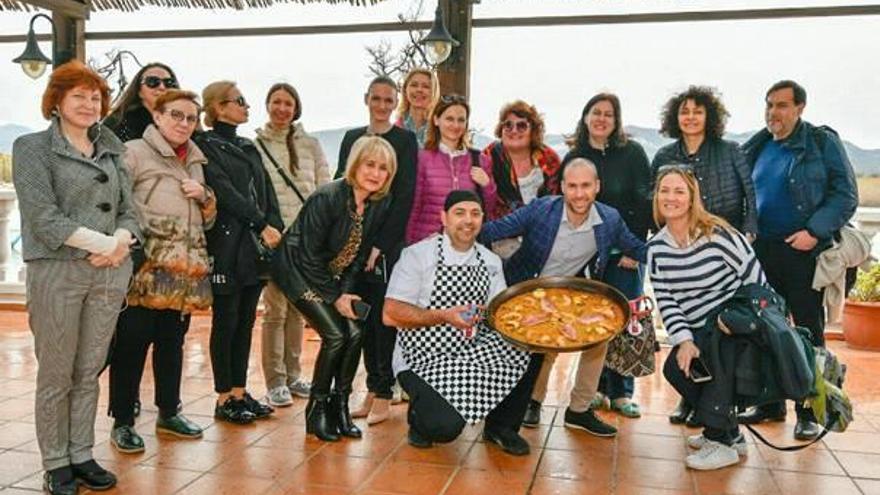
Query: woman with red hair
<point x="77" y="226"/>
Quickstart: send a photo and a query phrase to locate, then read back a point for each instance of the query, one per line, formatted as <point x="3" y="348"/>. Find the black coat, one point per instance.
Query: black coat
<point x="319" y="233"/>
<point x="130" y="124"/>
<point x="246" y="204"/>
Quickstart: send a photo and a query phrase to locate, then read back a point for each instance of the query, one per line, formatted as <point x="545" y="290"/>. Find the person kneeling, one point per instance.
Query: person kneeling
<point x="455" y="369"/>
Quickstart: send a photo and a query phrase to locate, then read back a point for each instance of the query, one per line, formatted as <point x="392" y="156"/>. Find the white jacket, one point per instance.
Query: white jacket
<point x="854" y="249"/>
<point x="312" y="167"/>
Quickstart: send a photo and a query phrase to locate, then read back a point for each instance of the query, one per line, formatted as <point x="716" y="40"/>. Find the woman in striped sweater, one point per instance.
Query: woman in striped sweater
<point x="696" y="263"/>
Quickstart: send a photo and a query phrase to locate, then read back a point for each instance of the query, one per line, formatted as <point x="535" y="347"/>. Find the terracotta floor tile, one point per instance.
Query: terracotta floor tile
<point x="808" y="460"/>
<point x="223" y="432"/>
<point x="13" y="434"/>
<point x="147" y="480"/>
<point x="643" y="490"/>
<point x="654" y="473"/>
<point x="17" y="388"/>
<point x="15" y="466"/>
<point x="868" y="443"/>
<point x="860" y="465"/>
<point x="736" y="480"/>
<point x="17" y="409"/>
<point x="563" y="438"/>
<point x="192" y="455"/>
<point x="212" y="484"/>
<point x="311" y="490"/>
<point x="575" y="465"/>
<point x="375" y="445"/>
<point x="656" y="446"/>
<point x="488" y="457"/>
<point x="475" y="481"/>
<point x="868" y="487"/>
<point x="330" y="470"/>
<point x="557" y="486"/>
<point x="810" y="484"/>
<point x="653" y="424"/>
<point x="261" y="462"/>
<point x="450" y="454"/>
<point x="411" y="478"/>
<point x="290" y="436"/>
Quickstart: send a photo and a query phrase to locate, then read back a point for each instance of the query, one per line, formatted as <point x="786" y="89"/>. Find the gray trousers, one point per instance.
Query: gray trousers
<point x="72" y="311"/>
<point x="282" y="338"/>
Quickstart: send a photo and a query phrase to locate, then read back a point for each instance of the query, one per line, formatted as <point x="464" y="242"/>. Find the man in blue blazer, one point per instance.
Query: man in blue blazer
<point x="571" y="235"/>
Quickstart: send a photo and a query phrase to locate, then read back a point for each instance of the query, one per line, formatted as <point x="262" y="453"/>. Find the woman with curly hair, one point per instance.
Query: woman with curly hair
<point x="695" y="118"/>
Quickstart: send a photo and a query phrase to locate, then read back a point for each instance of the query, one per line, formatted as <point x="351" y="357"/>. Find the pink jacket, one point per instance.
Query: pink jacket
<point x="437" y="175"/>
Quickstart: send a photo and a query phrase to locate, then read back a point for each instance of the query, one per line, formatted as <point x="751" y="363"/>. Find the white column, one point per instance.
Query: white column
<point x="7" y="206"/>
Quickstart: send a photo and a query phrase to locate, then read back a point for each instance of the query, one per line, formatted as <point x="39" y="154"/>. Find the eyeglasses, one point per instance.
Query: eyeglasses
<point x="179" y="116"/>
<point x="240" y="101"/>
<point x="453" y="99"/>
<point x="153" y="82"/>
<point x="519" y="125"/>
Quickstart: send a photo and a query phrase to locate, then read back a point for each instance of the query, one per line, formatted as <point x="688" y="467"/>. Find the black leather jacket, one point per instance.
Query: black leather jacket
<point x="245" y="201"/>
<point x="319" y="233"/>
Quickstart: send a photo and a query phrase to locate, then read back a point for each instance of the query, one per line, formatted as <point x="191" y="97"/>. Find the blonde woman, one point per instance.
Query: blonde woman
<point x="421" y="89"/>
<point x="296" y="166"/>
<point x="695" y="245"/>
<point x="316" y="267"/>
<point x="247" y="215"/>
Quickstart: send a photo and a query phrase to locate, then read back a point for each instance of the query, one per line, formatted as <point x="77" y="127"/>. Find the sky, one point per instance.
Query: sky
<point x="555" y="68"/>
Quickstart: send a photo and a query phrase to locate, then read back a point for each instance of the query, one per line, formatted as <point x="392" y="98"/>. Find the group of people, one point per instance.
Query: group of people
<point x="396" y="257"/>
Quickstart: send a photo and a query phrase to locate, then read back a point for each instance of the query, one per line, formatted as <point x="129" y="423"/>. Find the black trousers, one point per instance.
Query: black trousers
<point x="340" y="352"/>
<point x="232" y="324"/>
<point x="137" y="329"/>
<point x="721" y="429"/>
<point x="379" y="341"/>
<point x="790" y="273"/>
<point x="435" y="419"/>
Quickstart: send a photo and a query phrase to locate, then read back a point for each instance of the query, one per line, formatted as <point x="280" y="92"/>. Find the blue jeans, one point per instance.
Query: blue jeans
<point x="630" y="283"/>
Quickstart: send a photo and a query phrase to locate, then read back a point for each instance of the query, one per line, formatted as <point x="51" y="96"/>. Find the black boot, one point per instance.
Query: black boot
<point x="318" y="420"/>
<point x="681" y="413"/>
<point x="339" y="410"/>
<point x="765" y="412"/>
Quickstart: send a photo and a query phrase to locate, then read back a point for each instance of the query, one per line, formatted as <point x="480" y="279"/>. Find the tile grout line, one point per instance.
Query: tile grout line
<point x="534" y="476"/>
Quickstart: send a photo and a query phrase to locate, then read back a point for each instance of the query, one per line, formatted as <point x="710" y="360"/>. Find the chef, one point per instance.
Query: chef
<point x="454" y="368"/>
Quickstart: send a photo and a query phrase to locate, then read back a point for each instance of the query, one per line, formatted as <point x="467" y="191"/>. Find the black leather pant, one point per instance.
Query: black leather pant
<point x="340" y="353"/>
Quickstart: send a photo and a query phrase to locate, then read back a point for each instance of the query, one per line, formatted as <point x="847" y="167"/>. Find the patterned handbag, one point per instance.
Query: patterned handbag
<point x="631" y="353"/>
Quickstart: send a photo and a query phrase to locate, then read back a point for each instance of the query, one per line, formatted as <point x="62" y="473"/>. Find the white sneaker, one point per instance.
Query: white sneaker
<point x="300" y="388"/>
<point x="279" y="397"/>
<point x="713" y="455"/>
<point x="698" y="441"/>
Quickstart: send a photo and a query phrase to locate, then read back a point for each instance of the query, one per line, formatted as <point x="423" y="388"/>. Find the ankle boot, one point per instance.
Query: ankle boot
<point x="339" y="410"/>
<point x="681" y="414"/>
<point x="319" y="421"/>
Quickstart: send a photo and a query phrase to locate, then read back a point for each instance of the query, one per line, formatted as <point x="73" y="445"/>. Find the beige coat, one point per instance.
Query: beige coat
<point x="175" y="274"/>
<point x="312" y="171"/>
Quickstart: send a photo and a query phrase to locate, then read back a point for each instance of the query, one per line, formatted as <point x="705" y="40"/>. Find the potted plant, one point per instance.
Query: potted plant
<point x="861" y="313"/>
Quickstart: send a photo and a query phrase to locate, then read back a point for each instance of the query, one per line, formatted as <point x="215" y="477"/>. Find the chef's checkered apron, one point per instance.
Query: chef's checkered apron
<point x="474" y="375"/>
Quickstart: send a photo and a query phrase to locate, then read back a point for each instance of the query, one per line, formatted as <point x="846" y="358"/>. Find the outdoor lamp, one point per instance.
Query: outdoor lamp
<point x="33" y="61"/>
<point x="438" y="43"/>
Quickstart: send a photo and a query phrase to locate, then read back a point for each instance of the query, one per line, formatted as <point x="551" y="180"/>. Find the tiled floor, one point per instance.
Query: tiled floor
<point x="276" y="457"/>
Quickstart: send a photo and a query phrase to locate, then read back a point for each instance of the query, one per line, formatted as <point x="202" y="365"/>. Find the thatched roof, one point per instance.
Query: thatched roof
<point x="131" y="5"/>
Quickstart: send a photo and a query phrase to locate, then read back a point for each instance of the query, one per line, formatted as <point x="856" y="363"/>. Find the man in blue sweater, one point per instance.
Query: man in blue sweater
<point x="806" y="191"/>
<point x="571" y="235"/>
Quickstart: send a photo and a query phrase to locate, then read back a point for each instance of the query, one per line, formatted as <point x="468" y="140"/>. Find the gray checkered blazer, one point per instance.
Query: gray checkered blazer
<point x="60" y="190"/>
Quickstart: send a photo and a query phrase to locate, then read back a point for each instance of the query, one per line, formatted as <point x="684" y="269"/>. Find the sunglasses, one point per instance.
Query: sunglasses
<point x="676" y="167"/>
<point x="153" y="82"/>
<point x="179" y="116"/>
<point x="453" y="99"/>
<point x="520" y="125"/>
<point x="240" y="101"/>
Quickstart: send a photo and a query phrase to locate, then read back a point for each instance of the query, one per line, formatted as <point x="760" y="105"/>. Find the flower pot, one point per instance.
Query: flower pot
<point x="861" y="325"/>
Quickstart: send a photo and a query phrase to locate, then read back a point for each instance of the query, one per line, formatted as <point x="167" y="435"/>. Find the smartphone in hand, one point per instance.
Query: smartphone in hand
<point x="699" y="371"/>
<point x="361" y="309"/>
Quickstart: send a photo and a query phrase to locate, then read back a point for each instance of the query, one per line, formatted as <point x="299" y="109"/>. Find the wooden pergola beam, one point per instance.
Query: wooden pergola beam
<point x="70" y="8"/>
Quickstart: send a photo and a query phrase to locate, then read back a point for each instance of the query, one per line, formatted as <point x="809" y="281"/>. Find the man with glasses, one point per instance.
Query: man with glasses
<point x="806" y="191"/>
<point x="571" y="235"/>
<point x="381" y="100"/>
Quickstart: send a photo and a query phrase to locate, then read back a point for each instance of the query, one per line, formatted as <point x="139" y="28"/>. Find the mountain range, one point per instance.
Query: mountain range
<point x="865" y="161"/>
